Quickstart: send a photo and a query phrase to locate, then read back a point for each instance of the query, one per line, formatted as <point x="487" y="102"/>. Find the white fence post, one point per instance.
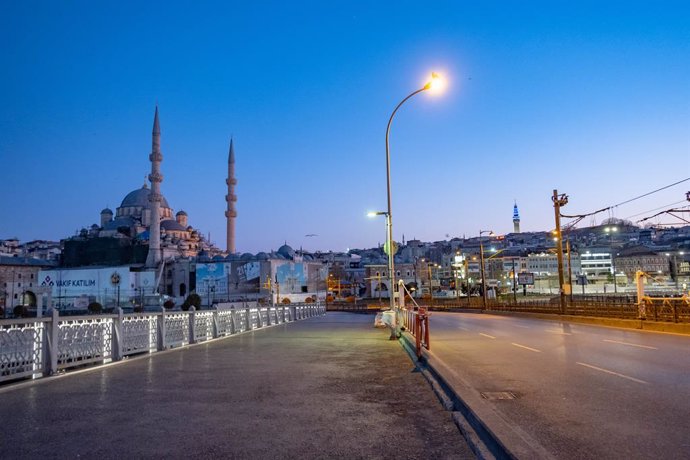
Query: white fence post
<point x="192" y="334"/>
<point x="118" y="339"/>
<point x="161" y="330"/>
<point x="233" y="321"/>
<point x="216" y="325"/>
<point x="53" y="342"/>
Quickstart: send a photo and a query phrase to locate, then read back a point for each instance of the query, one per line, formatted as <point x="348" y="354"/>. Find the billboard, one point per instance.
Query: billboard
<point x="70" y="288"/>
<point x="525" y="278"/>
<point x="229" y="278"/>
<point x="291" y="277"/>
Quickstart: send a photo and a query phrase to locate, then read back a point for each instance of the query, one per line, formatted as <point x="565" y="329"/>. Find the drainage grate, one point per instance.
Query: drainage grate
<point x="498" y="395"/>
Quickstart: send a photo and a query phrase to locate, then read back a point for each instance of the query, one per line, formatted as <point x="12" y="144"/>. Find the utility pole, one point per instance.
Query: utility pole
<point x="558" y="202"/>
<point x="514" y="285"/>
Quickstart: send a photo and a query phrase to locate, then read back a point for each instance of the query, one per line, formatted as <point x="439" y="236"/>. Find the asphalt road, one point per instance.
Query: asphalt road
<point x="580" y="391"/>
<point x="326" y="387"/>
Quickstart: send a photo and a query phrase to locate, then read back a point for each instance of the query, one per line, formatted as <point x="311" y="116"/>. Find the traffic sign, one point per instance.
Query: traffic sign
<point x="395" y="248"/>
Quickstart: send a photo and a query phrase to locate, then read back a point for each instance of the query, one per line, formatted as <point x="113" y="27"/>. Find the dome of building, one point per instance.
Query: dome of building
<point x="172" y="225"/>
<point x="286" y="251"/>
<point x="262" y="256"/>
<point x="181" y="213"/>
<point x="140" y="198"/>
<point x="107" y="211"/>
<point x="119" y="222"/>
<point x="247" y="256"/>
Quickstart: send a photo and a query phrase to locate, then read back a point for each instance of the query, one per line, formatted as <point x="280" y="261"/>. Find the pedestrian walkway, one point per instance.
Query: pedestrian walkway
<point x="327" y="387"/>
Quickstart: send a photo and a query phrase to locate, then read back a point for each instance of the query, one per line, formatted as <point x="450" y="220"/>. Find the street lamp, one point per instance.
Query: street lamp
<point x="429" y="266"/>
<point x="610" y="231"/>
<point x="481" y="263"/>
<point x="436" y="83"/>
<point x="388" y="245"/>
<point x="673" y="266"/>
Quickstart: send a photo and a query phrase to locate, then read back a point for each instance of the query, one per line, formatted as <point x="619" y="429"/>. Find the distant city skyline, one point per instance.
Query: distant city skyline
<point x="592" y="100"/>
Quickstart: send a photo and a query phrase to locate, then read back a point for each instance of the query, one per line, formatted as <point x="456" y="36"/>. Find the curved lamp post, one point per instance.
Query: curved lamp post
<point x="435" y="82"/>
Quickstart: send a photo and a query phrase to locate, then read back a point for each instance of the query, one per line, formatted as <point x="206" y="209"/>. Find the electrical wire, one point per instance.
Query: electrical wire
<point x="649" y="193"/>
<point x="609" y="208"/>
<point x="655" y="209"/>
<point x="669" y="211"/>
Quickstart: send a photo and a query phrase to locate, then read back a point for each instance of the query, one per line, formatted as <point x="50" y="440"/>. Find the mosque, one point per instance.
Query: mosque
<point x="144" y="249"/>
<point x="127" y="237"/>
<point x="133" y="219"/>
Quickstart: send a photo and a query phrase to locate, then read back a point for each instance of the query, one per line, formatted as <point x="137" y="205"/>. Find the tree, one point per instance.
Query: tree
<point x="95" y="308"/>
<point x="192" y="300"/>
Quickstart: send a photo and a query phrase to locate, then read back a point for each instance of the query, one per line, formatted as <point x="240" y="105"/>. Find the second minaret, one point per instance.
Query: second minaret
<point x="154" y="256"/>
<point x="231" y="198"/>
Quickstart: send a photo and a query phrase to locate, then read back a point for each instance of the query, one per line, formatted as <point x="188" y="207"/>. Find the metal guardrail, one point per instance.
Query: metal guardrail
<point x="416" y="321"/>
<point x="38" y="347"/>
<point x="663" y="309"/>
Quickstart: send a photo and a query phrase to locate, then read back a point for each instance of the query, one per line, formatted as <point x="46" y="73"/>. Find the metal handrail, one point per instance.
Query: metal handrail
<point x="38" y="347"/>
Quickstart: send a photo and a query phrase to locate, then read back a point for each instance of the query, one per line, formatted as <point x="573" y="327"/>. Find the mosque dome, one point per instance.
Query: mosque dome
<point x="107" y="211"/>
<point x="172" y="225"/>
<point x="140" y="198"/>
<point x="181" y="213"/>
<point x="286" y="251"/>
<point x="247" y="256"/>
<point x="262" y="256"/>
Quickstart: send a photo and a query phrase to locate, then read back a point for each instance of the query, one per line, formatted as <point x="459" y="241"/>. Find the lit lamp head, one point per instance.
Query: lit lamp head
<point x="611" y="229"/>
<point x="436" y="85"/>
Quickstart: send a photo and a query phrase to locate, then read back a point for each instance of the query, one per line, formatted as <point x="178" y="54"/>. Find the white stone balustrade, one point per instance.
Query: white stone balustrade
<point x="38" y="347"/>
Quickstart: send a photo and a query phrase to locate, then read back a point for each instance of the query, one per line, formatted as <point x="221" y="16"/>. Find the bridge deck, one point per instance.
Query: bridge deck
<point x="325" y="387"/>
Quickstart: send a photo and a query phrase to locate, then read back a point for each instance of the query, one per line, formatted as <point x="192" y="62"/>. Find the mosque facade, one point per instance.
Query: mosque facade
<point x="128" y="235"/>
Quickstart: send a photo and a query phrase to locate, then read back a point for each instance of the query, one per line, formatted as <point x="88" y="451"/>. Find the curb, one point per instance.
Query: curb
<point x="482" y="441"/>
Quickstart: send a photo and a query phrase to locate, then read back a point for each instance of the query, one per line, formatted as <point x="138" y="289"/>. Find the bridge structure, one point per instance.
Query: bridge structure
<point x="38" y="347"/>
<point x="281" y="382"/>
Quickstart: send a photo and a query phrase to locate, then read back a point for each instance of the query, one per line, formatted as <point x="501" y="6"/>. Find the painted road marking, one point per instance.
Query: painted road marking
<point x="554" y="331"/>
<point x="519" y="325"/>
<point x="526" y="348"/>
<point x="630" y="344"/>
<point x="463" y="328"/>
<point x="613" y="373"/>
<point x="487" y="335"/>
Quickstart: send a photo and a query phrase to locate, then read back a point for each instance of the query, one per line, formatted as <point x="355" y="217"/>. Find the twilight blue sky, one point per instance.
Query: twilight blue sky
<point x="591" y="98"/>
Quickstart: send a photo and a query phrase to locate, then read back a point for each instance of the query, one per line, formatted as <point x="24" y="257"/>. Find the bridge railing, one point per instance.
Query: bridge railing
<point x="38" y="347"/>
<point x="416" y="321"/>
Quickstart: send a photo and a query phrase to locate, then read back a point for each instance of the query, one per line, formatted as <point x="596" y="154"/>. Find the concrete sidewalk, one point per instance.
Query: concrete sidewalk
<point x="327" y="387"/>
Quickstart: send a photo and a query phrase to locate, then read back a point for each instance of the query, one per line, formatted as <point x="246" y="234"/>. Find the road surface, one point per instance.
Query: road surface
<point x="571" y="390"/>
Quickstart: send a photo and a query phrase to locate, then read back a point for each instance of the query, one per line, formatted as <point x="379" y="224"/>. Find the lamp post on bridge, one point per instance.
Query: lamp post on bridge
<point x="436" y="84"/>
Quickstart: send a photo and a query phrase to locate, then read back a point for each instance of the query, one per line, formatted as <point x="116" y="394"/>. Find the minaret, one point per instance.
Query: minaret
<point x="231" y="198"/>
<point x="156" y="157"/>
<point x="516" y="219"/>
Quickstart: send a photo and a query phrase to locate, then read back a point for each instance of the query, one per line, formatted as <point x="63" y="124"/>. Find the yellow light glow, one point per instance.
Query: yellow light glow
<point x="371" y="214"/>
<point x="437" y="83"/>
